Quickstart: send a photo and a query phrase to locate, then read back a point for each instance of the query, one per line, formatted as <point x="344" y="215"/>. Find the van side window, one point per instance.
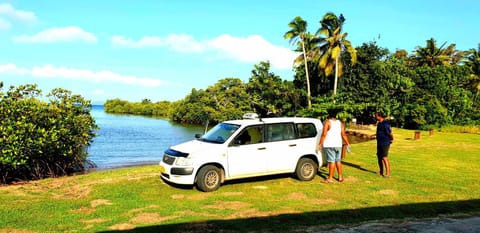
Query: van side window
<point x="306" y="130"/>
<point x="281" y="131"/>
<point x="250" y="135"/>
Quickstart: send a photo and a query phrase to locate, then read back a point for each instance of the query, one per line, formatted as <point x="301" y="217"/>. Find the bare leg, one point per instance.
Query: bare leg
<point x="387" y="166"/>
<point x="380" y="164"/>
<point x="331" y="170"/>
<point x="339" y="170"/>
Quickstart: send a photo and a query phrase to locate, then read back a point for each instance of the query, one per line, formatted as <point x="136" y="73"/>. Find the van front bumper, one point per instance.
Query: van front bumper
<point x="177" y="175"/>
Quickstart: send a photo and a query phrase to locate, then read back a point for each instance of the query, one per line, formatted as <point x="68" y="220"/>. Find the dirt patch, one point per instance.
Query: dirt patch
<point x="296" y="196"/>
<point x="228" y="205"/>
<point x="193" y="213"/>
<point x="15" y="231"/>
<point x="95" y="220"/>
<point x="142" y="209"/>
<point x="177" y="196"/>
<point x="198" y="197"/>
<point x="260" y="187"/>
<point x="254" y="213"/>
<point x="99" y="202"/>
<point x="319" y="201"/>
<point x="83" y="210"/>
<point x="73" y="192"/>
<point x="150" y="218"/>
<point x="232" y="194"/>
<point x="122" y="227"/>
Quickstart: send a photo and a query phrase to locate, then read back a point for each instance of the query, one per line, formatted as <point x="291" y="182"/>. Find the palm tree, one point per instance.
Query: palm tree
<point x="431" y="55"/>
<point x="333" y="45"/>
<point x="298" y="35"/>
<point x="473" y="61"/>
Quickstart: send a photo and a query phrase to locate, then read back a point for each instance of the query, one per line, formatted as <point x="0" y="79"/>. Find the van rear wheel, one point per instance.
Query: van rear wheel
<point x="306" y="169"/>
<point x="209" y="178"/>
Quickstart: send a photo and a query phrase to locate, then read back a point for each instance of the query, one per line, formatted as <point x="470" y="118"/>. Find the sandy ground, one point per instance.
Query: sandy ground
<point x="437" y="225"/>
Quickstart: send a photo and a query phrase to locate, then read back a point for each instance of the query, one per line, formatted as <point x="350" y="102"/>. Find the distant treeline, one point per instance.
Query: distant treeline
<point x="414" y="96"/>
<point x="144" y="108"/>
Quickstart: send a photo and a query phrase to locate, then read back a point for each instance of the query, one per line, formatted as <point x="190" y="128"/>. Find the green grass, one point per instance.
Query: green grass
<point x="432" y="176"/>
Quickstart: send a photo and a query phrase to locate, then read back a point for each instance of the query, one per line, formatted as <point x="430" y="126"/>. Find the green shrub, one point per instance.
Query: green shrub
<point x="43" y="139"/>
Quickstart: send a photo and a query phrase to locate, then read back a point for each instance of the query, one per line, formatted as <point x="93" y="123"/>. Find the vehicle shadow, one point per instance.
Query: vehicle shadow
<point x="317" y="220"/>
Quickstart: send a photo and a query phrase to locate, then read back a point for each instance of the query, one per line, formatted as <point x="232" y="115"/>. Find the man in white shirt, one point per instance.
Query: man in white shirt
<point x="331" y="143"/>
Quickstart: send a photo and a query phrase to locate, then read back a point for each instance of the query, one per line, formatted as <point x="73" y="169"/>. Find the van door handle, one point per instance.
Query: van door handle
<point x="261" y="148"/>
<point x="292" y="145"/>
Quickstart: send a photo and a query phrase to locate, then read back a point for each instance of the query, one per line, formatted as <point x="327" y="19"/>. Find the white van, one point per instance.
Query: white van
<point x="246" y="148"/>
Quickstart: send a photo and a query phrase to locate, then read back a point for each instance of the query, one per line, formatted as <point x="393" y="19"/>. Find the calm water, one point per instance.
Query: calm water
<point x="132" y="140"/>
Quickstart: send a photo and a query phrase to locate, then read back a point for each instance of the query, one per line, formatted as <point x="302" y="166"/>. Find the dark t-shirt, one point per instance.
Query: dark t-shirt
<point x="383" y="132"/>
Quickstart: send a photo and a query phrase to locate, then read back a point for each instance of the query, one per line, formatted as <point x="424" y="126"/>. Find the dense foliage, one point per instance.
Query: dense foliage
<point x="144" y="108"/>
<point x="42" y="139"/>
<point x="432" y="87"/>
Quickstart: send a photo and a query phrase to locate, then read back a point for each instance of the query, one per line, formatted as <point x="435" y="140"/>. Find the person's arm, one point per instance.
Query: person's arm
<point x="389" y="133"/>
<point x="326" y="127"/>
<point x="344" y="135"/>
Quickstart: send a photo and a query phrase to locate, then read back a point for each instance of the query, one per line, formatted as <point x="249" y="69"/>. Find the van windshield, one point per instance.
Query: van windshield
<point x="220" y="133"/>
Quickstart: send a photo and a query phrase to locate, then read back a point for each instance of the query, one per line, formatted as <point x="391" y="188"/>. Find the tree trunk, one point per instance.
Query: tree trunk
<point x="309" y="98"/>
<point x="336" y="79"/>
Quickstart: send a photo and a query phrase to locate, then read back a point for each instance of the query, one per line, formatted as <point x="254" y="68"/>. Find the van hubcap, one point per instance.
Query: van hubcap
<point x="307" y="170"/>
<point x="211" y="178"/>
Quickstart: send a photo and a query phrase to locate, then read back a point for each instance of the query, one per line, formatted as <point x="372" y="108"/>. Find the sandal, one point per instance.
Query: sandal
<point x="327" y="181"/>
<point x="341" y="180"/>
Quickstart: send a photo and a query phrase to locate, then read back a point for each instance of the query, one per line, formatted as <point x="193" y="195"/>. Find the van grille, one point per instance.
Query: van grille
<point x="168" y="159"/>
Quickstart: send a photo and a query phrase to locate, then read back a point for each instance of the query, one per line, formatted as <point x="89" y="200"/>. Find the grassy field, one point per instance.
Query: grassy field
<point x="432" y="176"/>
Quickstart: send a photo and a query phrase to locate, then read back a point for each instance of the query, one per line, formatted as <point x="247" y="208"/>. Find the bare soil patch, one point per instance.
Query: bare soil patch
<point x="99" y="202"/>
<point x="229" y="205"/>
<point x="150" y="218"/>
<point x="122" y="227"/>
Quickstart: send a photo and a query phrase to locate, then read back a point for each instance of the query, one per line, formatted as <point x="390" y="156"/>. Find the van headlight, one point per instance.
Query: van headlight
<point x="181" y="161"/>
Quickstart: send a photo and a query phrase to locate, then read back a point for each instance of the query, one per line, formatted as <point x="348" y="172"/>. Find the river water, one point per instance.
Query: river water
<point x="125" y="140"/>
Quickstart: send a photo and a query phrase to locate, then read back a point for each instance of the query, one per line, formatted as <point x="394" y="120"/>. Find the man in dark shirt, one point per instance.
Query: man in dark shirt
<point x="384" y="139"/>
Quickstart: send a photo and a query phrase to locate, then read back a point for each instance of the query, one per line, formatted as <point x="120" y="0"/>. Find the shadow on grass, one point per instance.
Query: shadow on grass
<point x="239" y="181"/>
<point x="357" y="167"/>
<point x="323" y="173"/>
<point x="324" y="220"/>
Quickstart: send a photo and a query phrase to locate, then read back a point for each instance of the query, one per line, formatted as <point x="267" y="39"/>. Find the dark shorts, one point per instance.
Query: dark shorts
<point x="382" y="151"/>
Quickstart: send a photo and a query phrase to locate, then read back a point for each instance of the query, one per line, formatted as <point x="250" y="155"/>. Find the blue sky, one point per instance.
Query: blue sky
<point x="162" y="49"/>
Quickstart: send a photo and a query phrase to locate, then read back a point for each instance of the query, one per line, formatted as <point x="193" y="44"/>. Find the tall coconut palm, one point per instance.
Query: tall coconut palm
<point x="298" y="35"/>
<point x="431" y="55"/>
<point x="473" y="60"/>
<point x="333" y="45"/>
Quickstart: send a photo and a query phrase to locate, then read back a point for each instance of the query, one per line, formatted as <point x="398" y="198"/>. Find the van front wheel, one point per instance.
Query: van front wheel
<point x="209" y="178"/>
<point x="306" y="169"/>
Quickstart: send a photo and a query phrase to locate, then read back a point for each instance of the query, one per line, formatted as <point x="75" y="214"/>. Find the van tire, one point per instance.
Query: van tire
<point x="209" y="178"/>
<point x="306" y="169"/>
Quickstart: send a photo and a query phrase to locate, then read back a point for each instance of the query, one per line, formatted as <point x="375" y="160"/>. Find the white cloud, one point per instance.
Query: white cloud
<point x="65" y="34"/>
<point x="13" y="69"/>
<point x="8" y="11"/>
<point x="104" y="76"/>
<point x="253" y="49"/>
<point x="250" y="49"/>
<point x="181" y="43"/>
